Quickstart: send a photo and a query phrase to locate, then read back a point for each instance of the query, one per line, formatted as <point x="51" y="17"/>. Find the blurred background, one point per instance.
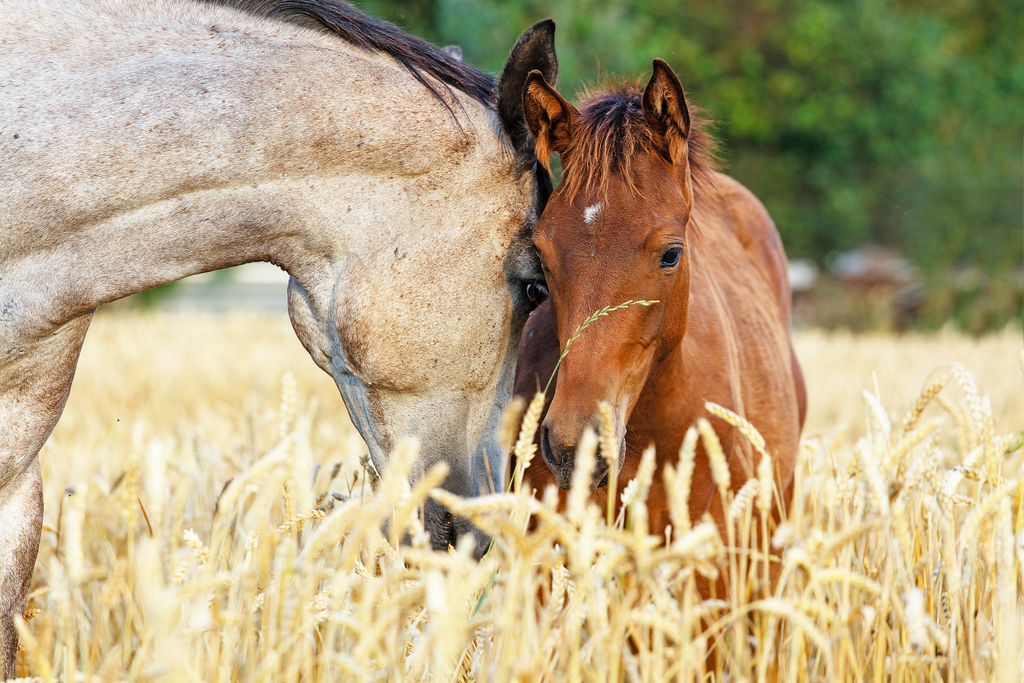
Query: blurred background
<point x="884" y="136"/>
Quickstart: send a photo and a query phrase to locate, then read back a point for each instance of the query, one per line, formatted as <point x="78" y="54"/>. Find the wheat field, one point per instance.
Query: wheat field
<point x="208" y="518"/>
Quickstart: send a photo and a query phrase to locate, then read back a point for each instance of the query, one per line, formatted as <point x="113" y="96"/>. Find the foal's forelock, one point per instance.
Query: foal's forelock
<point x="612" y="131"/>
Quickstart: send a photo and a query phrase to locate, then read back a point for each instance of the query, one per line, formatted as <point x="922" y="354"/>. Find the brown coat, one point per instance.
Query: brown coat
<point x="651" y="220"/>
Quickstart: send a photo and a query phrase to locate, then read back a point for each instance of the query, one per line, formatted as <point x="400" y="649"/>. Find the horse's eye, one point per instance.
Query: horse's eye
<point x="536" y="293"/>
<point x="671" y="257"/>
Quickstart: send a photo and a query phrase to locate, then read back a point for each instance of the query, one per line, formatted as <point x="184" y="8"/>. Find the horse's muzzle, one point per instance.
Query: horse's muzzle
<point x="445" y="529"/>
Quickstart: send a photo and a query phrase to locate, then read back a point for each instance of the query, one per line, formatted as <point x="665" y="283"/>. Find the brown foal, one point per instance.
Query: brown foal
<point x="642" y="214"/>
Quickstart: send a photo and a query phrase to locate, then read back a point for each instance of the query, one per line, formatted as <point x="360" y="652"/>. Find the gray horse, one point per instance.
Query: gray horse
<point x="141" y="142"/>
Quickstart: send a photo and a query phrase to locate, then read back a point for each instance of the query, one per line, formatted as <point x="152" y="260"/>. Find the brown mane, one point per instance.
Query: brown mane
<point x="611" y="130"/>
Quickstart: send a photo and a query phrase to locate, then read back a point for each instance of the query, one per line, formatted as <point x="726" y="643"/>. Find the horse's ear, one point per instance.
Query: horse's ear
<point x="534" y="51"/>
<point x="668" y="116"/>
<point x="548" y="116"/>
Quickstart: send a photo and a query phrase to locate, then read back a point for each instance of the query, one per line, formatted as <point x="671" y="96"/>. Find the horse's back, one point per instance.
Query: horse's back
<point x="737" y="248"/>
<point x="755" y="230"/>
<point x="738" y="210"/>
<point x="118" y="105"/>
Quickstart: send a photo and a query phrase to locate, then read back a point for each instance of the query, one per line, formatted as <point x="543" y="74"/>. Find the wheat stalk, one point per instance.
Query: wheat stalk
<point x="929" y="393"/>
<point x="525" y="447"/>
<point x="594" y="317"/>
<point x="928" y="593"/>
<point x="609" y="447"/>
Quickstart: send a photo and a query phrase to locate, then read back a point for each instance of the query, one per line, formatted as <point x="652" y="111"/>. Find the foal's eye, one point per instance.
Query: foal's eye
<point x="671" y="257"/>
<point x="536" y="293"/>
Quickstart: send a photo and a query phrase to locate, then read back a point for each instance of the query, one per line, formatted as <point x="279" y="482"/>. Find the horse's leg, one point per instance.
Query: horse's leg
<point x="21" y="509"/>
<point x="34" y="386"/>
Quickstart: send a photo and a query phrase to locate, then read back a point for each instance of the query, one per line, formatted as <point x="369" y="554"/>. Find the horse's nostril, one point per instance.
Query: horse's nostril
<point x="440" y="524"/>
<point x="451" y="528"/>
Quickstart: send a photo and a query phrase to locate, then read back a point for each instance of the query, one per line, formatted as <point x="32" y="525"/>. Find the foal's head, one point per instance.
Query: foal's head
<point x="615" y="230"/>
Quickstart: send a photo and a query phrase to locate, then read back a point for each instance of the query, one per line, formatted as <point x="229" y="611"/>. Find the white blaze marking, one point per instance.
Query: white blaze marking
<point x="590" y="213"/>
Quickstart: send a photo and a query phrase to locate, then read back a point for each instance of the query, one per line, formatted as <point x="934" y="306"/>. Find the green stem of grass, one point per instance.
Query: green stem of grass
<point x="587" y="323"/>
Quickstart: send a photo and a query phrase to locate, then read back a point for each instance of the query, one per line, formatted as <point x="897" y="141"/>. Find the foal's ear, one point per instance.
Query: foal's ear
<point x="534" y="51"/>
<point x="549" y="117"/>
<point x="668" y="116"/>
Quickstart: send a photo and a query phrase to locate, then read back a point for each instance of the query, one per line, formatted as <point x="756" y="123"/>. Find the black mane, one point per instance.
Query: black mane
<point x="419" y="57"/>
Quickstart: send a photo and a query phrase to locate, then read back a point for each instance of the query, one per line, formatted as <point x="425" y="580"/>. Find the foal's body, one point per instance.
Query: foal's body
<point x="641" y="214"/>
<point x="739" y="282"/>
<point x="141" y="142"/>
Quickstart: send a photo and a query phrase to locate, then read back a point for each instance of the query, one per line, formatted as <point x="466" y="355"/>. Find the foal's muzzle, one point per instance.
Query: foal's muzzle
<point x="561" y="460"/>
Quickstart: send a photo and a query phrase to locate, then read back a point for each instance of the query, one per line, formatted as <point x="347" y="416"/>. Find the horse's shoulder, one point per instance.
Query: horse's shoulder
<point x="746" y="215"/>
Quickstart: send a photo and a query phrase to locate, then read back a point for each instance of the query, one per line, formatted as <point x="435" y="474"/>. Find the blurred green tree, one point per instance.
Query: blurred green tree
<point x="897" y="122"/>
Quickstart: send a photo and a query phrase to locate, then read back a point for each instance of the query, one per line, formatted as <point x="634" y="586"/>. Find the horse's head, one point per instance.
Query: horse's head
<point x="418" y="313"/>
<point x="614" y="231"/>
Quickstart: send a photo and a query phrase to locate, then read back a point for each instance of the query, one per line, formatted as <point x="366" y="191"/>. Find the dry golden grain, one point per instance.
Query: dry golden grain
<point x="130" y="491"/>
<point x="987" y="506"/>
<point x="511" y="417"/>
<point x="917" y="626"/>
<point x="716" y="458"/>
<point x="609" y="447"/>
<point x="901" y="527"/>
<point x="929" y="393"/>
<point x="879" y="416"/>
<point x="525" y="447"/>
<point x="955" y="476"/>
<point x="631" y="493"/>
<point x="298" y="518"/>
<point x="579" y="491"/>
<point x="870" y="467"/>
<point x="337" y="601"/>
<point x="972" y="400"/>
<point x="845" y="576"/>
<point x="908" y="441"/>
<point x="964" y="436"/>
<point x="679" y="494"/>
<point x="199" y="551"/>
<point x="644" y="474"/>
<point x="740" y="423"/>
<point x="74" y="524"/>
<point x="179" y="574"/>
<point x="743" y="502"/>
<point x="289" y="401"/>
<point x="766" y="483"/>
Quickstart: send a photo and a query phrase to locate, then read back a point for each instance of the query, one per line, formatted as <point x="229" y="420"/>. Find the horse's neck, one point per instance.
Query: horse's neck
<point x="275" y="152"/>
<point x="728" y="294"/>
<point x="148" y="245"/>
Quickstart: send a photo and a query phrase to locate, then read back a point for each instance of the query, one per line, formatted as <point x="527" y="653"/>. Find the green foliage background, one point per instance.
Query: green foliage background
<point x="897" y="122"/>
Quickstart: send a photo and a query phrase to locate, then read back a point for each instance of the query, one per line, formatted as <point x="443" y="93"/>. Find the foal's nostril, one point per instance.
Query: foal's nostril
<point x="601" y="474"/>
<point x="545" y="445"/>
